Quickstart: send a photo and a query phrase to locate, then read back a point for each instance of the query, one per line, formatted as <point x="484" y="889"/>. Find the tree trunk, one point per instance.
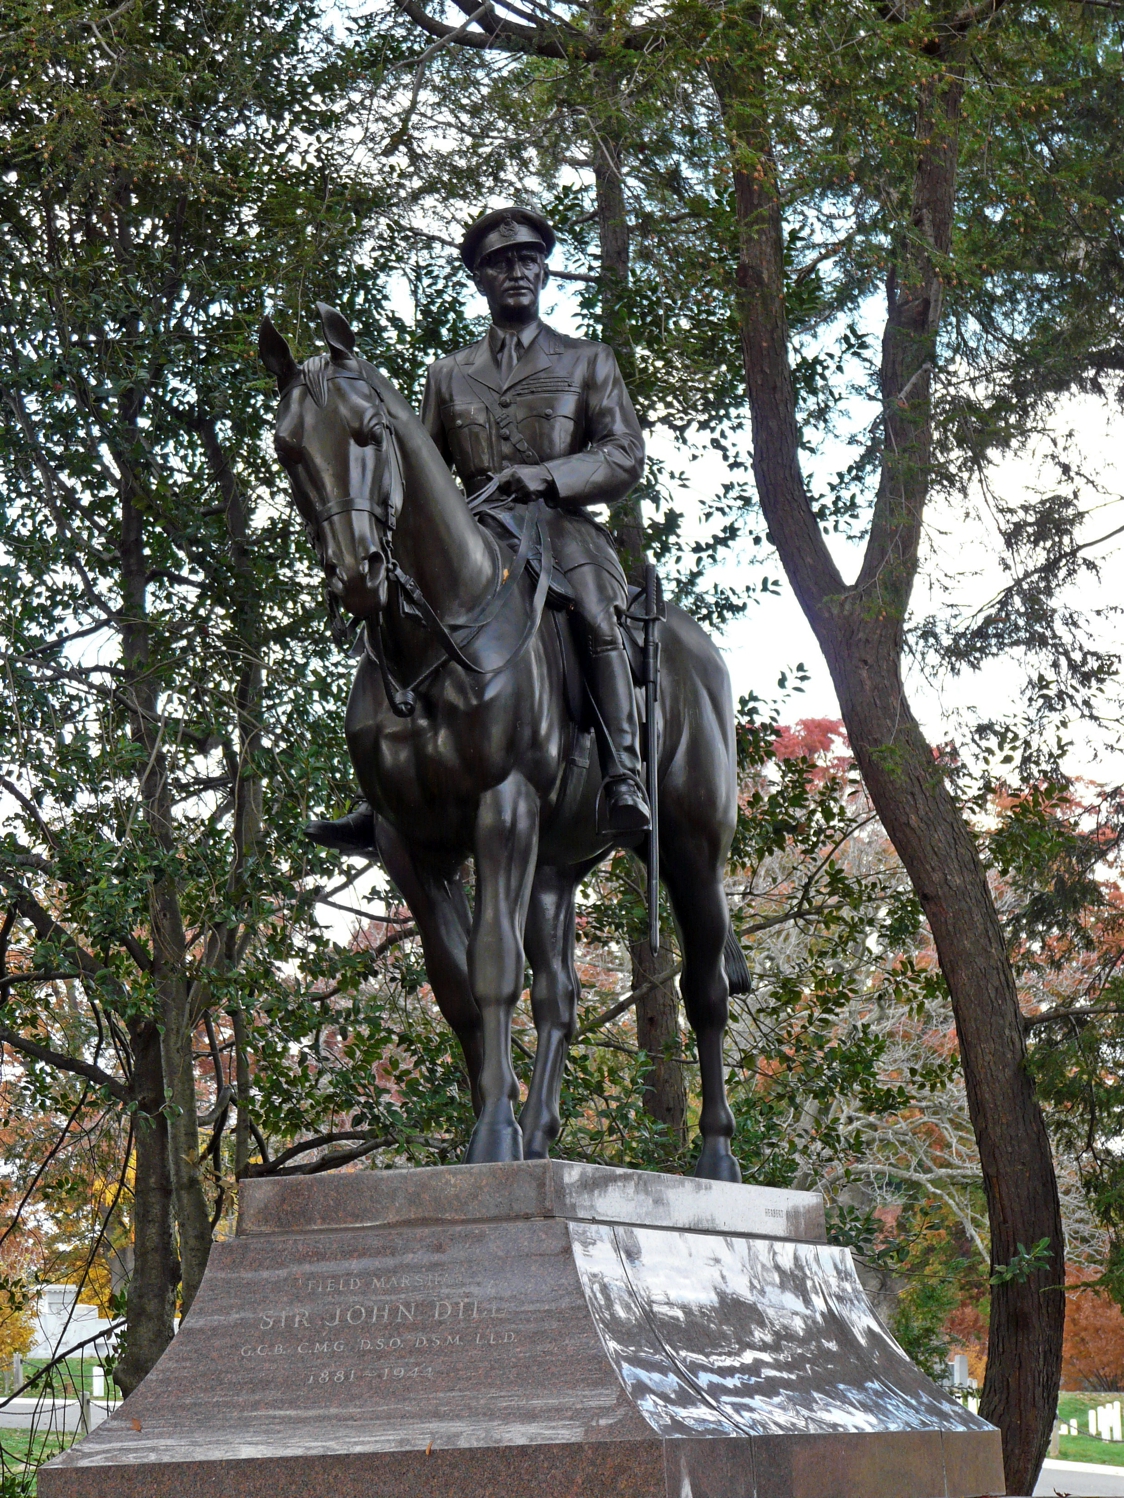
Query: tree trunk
<point x="169" y="944"/>
<point x="657" y="1033"/>
<point x="151" y="1308"/>
<point x="657" y="1011"/>
<point x="241" y="1095"/>
<point x="192" y="1215"/>
<point x="860" y="629"/>
<point x="926" y="827"/>
<point x="246" y="647"/>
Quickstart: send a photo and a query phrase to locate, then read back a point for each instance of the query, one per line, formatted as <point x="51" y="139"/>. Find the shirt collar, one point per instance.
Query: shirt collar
<point x="526" y="336"/>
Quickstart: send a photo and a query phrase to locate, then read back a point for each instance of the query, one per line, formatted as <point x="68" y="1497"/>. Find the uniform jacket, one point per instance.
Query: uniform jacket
<point x="566" y="399"/>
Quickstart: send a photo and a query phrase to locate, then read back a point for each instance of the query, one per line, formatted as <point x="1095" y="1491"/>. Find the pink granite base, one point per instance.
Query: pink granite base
<point x="888" y="1466"/>
<point x="534" y="1330"/>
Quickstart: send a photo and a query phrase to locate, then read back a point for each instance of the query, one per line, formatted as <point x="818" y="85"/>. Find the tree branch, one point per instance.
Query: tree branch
<point x="496" y="33"/>
<point x="607" y="1015"/>
<point x="61" y="1062"/>
<point x="1057" y="1016"/>
<point x="278" y="1166"/>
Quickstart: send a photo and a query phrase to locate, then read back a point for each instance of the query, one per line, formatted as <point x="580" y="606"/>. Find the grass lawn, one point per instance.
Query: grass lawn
<point x="21" y="1452"/>
<point x="1084" y="1447"/>
<point x="68" y="1379"/>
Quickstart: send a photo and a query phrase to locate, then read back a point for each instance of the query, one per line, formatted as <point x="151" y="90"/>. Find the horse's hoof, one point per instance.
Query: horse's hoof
<point x="716" y="1163"/>
<point x="536" y="1146"/>
<point x="495" y="1139"/>
<point x="539" y="1134"/>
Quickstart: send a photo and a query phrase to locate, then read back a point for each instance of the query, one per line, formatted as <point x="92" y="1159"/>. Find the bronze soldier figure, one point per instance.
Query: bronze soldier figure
<point x="460" y="729"/>
<point x="528" y="414"/>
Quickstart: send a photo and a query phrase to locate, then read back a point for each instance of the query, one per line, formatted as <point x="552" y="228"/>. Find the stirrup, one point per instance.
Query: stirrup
<point x="641" y="816"/>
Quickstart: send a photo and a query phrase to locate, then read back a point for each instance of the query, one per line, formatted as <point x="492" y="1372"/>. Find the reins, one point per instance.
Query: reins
<point x="403" y="699"/>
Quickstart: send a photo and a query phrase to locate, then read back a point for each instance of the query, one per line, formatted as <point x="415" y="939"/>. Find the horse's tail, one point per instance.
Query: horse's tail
<point x="737" y="971"/>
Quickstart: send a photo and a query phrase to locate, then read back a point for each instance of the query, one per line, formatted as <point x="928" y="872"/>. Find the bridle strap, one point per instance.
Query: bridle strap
<point x="403" y="700"/>
<point x="349" y="505"/>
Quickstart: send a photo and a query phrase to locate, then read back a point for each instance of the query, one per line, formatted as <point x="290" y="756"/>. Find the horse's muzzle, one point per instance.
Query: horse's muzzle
<point x="361" y="587"/>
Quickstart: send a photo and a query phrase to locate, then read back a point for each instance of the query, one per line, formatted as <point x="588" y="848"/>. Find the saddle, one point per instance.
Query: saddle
<point x="507" y="522"/>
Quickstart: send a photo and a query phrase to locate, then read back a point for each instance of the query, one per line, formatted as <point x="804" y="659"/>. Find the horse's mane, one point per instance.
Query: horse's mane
<point x="315" y="373"/>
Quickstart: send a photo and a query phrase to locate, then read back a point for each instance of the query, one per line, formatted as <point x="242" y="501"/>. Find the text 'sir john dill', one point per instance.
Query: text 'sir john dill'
<point x="382" y="1326"/>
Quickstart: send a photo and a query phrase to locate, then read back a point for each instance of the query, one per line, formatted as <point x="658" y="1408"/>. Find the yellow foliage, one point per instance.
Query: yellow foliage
<point x="17" y="1329"/>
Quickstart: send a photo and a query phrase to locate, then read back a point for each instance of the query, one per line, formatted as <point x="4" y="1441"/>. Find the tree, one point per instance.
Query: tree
<point x="167" y="721"/>
<point x="162" y="633"/>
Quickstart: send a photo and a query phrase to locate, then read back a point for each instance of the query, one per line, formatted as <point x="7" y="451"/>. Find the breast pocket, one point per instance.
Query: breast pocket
<point x="470" y="437"/>
<point x="550" y="422"/>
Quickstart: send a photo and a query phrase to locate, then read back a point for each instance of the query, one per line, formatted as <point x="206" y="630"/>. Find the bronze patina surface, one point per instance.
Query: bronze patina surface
<point x="468" y="725"/>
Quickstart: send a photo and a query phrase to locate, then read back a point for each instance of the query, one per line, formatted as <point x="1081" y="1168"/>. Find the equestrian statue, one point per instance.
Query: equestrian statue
<point x="494" y="713"/>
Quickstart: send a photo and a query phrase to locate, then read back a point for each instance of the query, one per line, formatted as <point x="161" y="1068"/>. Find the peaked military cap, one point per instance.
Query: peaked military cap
<point x="501" y="228"/>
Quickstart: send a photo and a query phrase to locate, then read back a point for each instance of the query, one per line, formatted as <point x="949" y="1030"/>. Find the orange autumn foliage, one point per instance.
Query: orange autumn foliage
<point x="1093" y="1351"/>
<point x="966" y="1330"/>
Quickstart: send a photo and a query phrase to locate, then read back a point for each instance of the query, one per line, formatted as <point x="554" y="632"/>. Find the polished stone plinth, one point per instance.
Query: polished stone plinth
<point x="540" y="1330"/>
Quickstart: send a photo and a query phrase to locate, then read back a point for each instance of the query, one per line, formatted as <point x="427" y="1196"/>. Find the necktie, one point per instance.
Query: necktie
<point x="510" y="350"/>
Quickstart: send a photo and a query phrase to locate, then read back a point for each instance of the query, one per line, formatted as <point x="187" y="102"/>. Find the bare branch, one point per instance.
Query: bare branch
<point x="9" y="978"/>
<point x="610" y="1014"/>
<point x="1059" y="1016"/>
<point x="279" y="1165"/>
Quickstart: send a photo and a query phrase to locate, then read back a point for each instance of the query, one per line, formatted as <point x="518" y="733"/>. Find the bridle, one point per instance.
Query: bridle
<point x="455" y="634"/>
<point x="385" y="513"/>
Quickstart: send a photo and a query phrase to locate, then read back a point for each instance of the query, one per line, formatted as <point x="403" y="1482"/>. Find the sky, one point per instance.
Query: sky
<point x="774" y="635"/>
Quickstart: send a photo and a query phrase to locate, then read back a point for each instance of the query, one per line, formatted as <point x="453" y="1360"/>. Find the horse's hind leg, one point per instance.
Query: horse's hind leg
<point x="703" y="917"/>
<point x="437" y="902"/>
<point x="555" y="991"/>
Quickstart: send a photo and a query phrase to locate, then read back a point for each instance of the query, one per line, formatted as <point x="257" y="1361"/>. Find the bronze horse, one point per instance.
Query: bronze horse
<point x="463" y="731"/>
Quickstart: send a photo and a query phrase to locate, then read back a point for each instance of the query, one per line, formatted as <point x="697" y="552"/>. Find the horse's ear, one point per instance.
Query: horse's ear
<point x="276" y="354"/>
<point x="337" y="332"/>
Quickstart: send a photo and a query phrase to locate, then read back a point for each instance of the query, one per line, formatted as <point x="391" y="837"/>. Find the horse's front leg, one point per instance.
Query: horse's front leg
<point x="505" y="845"/>
<point x="436" y="900"/>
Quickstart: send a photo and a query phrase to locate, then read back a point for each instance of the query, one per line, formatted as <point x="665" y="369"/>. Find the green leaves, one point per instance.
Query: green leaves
<point x="1027" y="1261"/>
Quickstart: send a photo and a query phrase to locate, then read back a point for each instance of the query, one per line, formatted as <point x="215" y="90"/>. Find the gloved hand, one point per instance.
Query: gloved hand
<point x="527" y="481"/>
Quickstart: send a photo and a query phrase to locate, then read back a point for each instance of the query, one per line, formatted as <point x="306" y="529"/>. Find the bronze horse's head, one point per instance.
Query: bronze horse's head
<point x="335" y="442"/>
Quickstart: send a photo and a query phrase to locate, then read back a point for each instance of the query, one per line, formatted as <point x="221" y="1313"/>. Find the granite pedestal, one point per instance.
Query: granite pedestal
<point x="539" y="1330"/>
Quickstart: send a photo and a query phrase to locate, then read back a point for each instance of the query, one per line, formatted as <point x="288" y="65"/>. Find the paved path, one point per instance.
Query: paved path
<point x="1082" y="1479"/>
<point x="54" y="1416"/>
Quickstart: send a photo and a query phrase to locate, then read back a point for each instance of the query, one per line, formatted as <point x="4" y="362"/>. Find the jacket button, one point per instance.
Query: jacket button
<point x="505" y="400"/>
<point x="549" y="412"/>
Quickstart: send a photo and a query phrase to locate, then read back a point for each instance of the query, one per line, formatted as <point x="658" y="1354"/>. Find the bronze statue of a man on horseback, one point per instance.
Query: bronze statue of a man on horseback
<point x="494" y="713"/>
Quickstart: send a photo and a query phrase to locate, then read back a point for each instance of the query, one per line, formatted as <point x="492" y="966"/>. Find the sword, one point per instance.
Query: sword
<point x="654" y="611"/>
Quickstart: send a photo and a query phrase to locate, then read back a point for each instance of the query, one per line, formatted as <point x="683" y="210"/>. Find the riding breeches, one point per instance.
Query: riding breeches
<point x="584" y="551"/>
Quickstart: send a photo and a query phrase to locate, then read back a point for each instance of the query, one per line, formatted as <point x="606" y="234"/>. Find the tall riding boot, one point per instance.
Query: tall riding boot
<point x="626" y="805"/>
<point x="354" y="833"/>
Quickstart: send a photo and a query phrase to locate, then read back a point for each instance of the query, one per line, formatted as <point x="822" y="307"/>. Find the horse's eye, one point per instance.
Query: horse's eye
<point x="373" y="431"/>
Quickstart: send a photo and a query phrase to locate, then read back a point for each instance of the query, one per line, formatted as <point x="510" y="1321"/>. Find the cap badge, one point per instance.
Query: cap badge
<point x="509" y="228"/>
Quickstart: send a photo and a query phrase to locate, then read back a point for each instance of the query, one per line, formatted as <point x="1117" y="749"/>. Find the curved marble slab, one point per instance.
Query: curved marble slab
<point x="750" y="1335"/>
